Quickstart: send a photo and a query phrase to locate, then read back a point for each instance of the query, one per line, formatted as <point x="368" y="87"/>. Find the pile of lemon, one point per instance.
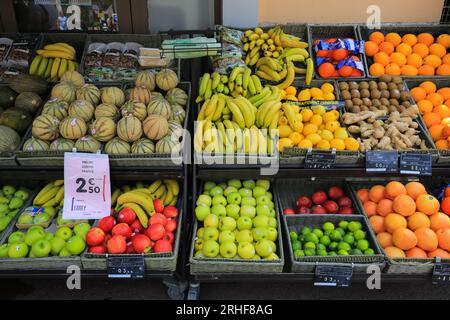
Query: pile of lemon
<point x="324" y="93"/>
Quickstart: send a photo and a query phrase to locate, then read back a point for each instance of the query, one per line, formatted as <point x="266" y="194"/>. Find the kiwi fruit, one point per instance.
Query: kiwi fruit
<point x="406" y="104"/>
<point x="401" y="109"/>
<point x="353" y="85"/>
<point x="373" y="109"/>
<point x="384" y="101"/>
<point x="395" y="94"/>
<point x="343" y="86"/>
<point x="376" y="103"/>
<point x="367" y="102"/>
<point x="384" y="108"/>
<point x="363" y="85"/>
<point x="392" y="109"/>
<point x="365" y="93"/>
<point x="364" y="108"/>
<point x="346" y="95"/>
<point x="386" y="78"/>
<point x="385" y="94"/>
<point x="392" y="86"/>
<point x="348" y="104"/>
<point x="382" y="86"/>
<point x="355" y="93"/>
<point x="375" y="94"/>
<point x="397" y="80"/>
<point x="404" y="96"/>
<point x="357" y="101"/>
<point x="373" y="85"/>
<point x="394" y="102"/>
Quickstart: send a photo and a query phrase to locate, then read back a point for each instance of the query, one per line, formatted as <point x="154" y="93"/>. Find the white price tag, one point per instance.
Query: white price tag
<point x="87" y="193"/>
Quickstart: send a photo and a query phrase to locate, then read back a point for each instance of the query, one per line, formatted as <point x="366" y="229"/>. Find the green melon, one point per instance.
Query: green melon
<point x="134" y="108"/>
<point x="33" y="144"/>
<point x="46" y="127"/>
<point x="160" y="106"/>
<point x="177" y="96"/>
<point x="168" y="145"/>
<point x="103" y="129"/>
<point x="62" y="145"/>
<point x="143" y="146"/>
<point x="88" y="144"/>
<point x="113" y="95"/>
<point x="155" y="127"/>
<point x="83" y="109"/>
<point x="107" y="111"/>
<point x="129" y="129"/>
<point x="56" y="108"/>
<point x="28" y="83"/>
<point x="29" y="102"/>
<point x="73" y="128"/>
<point x="16" y="119"/>
<point x="90" y="93"/>
<point x="178" y="114"/>
<point x="9" y="139"/>
<point x="146" y="79"/>
<point x="117" y="147"/>
<point x="7" y="97"/>
<point x="64" y="92"/>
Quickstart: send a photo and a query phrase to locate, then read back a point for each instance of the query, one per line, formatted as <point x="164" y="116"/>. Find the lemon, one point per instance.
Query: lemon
<point x="337" y="144"/>
<point x="319" y="110"/>
<point x="300" y="127"/>
<point x="283" y="121"/>
<point x="315" y="138"/>
<point x="341" y="133"/>
<point x="327" y="135"/>
<point x="317" y="120"/>
<point x="330" y="116"/>
<point x="351" y="144"/>
<point x="291" y="98"/>
<point x="283" y="94"/>
<point x="291" y="91"/>
<point x="295" y="108"/>
<point x="307" y="114"/>
<point x="295" y="137"/>
<point x="285" y="143"/>
<point x="315" y="92"/>
<point x="310" y="129"/>
<point x="332" y="126"/>
<point x="329" y="97"/>
<point x="327" y="88"/>
<point x="299" y="117"/>
<point x="319" y="98"/>
<point x="324" y="145"/>
<point x="305" y="144"/>
<point x="284" y="131"/>
<point x="304" y="95"/>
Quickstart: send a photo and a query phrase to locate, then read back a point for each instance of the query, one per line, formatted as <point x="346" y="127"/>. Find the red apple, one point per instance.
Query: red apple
<point x="319" y="210"/>
<point x="171" y="212"/>
<point x="169" y="236"/>
<point x="158" y="218"/>
<point x="345" y="202"/>
<point x="126" y="216"/>
<point x="122" y="229"/>
<point x="345" y="210"/>
<point x="303" y="210"/>
<point x="336" y="193"/>
<point x="319" y="197"/>
<point x="117" y="245"/>
<point x="137" y="227"/>
<point x="142" y="244"/>
<point x="304" y="202"/>
<point x="107" y="224"/>
<point x="95" y="237"/>
<point x="107" y="238"/>
<point x="158" y="205"/>
<point x="288" y="211"/>
<point x="331" y="207"/>
<point x="156" y="232"/>
<point x="130" y="248"/>
<point x="163" y="246"/>
<point x="98" y="250"/>
<point x="171" y="225"/>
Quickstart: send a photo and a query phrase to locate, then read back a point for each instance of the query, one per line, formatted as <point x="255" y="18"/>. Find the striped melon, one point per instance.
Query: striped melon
<point x="117" y="147"/>
<point x="134" y="108"/>
<point x="146" y="79"/>
<point x="73" y="128"/>
<point x="168" y="145"/>
<point x="88" y="144"/>
<point x="175" y="129"/>
<point x="34" y="144"/>
<point x="177" y="96"/>
<point x="140" y="94"/>
<point x="56" y="108"/>
<point x="161" y="107"/>
<point x="90" y="93"/>
<point x="107" y="111"/>
<point x="46" y="127"/>
<point x="113" y="95"/>
<point x="83" y="109"/>
<point x="155" y="127"/>
<point x="62" y="145"/>
<point x="9" y="139"/>
<point x="128" y="94"/>
<point x="143" y="146"/>
<point x="167" y="79"/>
<point x="129" y="129"/>
<point x="73" y="78"/>
<point x="64" y="92"/>
<point x="103" y="129"/>
<point x="178" y="114"/>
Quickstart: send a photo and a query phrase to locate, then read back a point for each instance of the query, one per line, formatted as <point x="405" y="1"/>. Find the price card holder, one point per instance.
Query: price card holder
<point x="333" y="276"/>
<point x="416" y="164"/>
<point x="382" y="161"/>
<point x="126" y="267"/>
<point x="320" y="160"/>
<point x="441" y="273"/>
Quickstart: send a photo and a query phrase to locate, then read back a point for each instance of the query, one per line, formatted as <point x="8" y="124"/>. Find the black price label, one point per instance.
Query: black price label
<point x="382" y="161"/>
<point x="416" y="164"/>
<point x="126" y="267"/>
<point x="320" y="160"/>
<point x="441" y="273"/>
<point x="333" y="276"/>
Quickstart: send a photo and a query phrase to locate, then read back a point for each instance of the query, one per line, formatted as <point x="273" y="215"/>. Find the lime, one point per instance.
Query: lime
<point x="354" y="226"/>
<point x="321" y="247"/>
<point x="343" y="225"/>
<point x="294" y="236"/>
<point x="328" y="232"/>
<point x="301" y="238"/>
<point x="341" y="231"/>
<point x="332" y="253"/>
<point x="356" y="252"/>
<point x="343" y="253"/>
<point x="322" y="253"/>
<point x="325" y="240"/>
<point x="328" y="226"/>
<point x="310" y="252"/>
<point x="349" y="238"/>
<point x="336" y="236"/>
<point x="309" y="245"/>
<point x="306" y="231"/>
<point x="312" y="237"/>
<point x="344" y="246"/>
<point x="296" y="245"/>
<point x="318" y="232"/>
<point x="333" y="246"/>
<point x="369" y="252"/>
<point x="359" y="235"/>
<point x="363" y="245"/>
<point x="299" y="253"/>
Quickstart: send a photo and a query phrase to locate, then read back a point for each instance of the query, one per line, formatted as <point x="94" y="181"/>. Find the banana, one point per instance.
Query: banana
<point x="114" y="196"/>
<point x="289" y="78"/>
<point x="219" y="108"/>
<point x="47" y="196"/>
<point x="290" y="115"/>
<point x="201" y="114"/>
<point x="271" y="114"/>
<point x="254" y="140"/>
<point x="259" y="31"/>
<point x="271" y="63"/>
<point x="224" y="79"/>
<point x="274" y="125"/>
<point x="288" y="41"/>
<point x="219" y="141"/>
<point x="288" y="52"/>
<point x="145" y="202"/>
<point x="247" y="112"/>
<point x="60" y="195"/>
<point x="254" y="59"/>
<point x="309" y="71"/>
<point x="263" y="75"/>
<point x="262" y="142"/>
<point x="271" y="72"/>
<point x="168" y="197"/>
<point x="62" y="68"/>
<point x="263" y="110"/>
<point x="209" y="92"/>
<point x="239" y="79"/>
<point x="67" y="46"/>
<point x="55" y="47"/>
<point x="247" y="60"/>
<point x="56" y="54"/>
<point x="220" y="88"/>
<point x="41" y="193"/>
<point x="239" y="138"/>
<point x="251" y="87"/>
<point x="295" y="58"/>
<point x="246" y="47"/>
<point x="254" y="51"/>
<point x="254" y="37"/>
<point x="262" y="95"/>
<point x="71" y="66"/>
<point x="198" y="138"/>
<point x="236" y="71"/>
<point x="237" y="114"/>
<point x="174" y="202"/>
<point x="42" y="67"/>
<point x="231" y="86"/>
<point x="58" y="183"/>
<point x="48" y="71"/>
<point x="283" y="74"/>
<point x="143" y="191"/>
<point x="35" y="65"/>
<point x="207" y="138"/>
<point x="140" y="213"/>
<point x="246" y="78"/>
<point x="212" y="106"/>
<point x="301" y="71"/>
<point x="246" y="137"/>
<point x="204" y="84"/>
<point x="215" y="80"/>
<point x="173" y="186"/>
<point x="154" y="186"/>
<point x="55" y="68"/>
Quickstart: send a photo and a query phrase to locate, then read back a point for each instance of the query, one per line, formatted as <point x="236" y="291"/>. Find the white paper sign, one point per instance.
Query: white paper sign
<point x="87" y="193"/>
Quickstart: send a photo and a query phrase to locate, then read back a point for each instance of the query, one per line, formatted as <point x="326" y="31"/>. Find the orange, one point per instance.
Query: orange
<point x="371" y="48"/>
<point x="326" y="70"/>
<point x="340" y="54"/>
<point x="376" y="70"/>
<point x="447" y="103"/>
<point x="446" y="59"/>
<point x="445" y="204"/>
<point x="404" y="239"/>
<point x="370" y="208"/>
<point x="443" y="70"/>
<point x="416" y="253"/>
<point x="408" y="70"/>
<point x="439" y="253"/>
<point x="398" y="58"/>
<point x="409" y="39"/>
<point x="405" y="49"/>
<point x="387" y="48"/>
<point x="442" y="144"/>
<point x="436" y="99"/>
<point x="421" y="49"/>
<point x="383" y="208"/>
<point x="363" y="195"/>
<point x="427" y="239"/>
<point x="426" y="39"/>
<point x="439" y="221"/>
<point x="432" y="60"/>
<point x="446" y="131"/>
<point x="377" y="193"/>
<point x="376" y="37"/>
<point x="429" y="86"/>
<point x="393" y="69"/>
<point x="404" y="205"/>
<point x="428" y="204"/>
<point x="444" y="239"/>
<point x="346" y="71"/>
<point x="377" y="223"/>
<point x="442" y="109"/>
<point x="438" y="50"/>
<point x="385" y="240"/>
<point x="445" y="93"/>
<point x="382" y="58"/>
<point x="394" y="221"/>
<point x="418" y="220"/>
<point x="415" y="189"/>
<point x="425" y="106"/>
<point x="437" y="132"/>
<point x="418" y="94"/>
<point x="394" y="253"/>
<point x="415" y="60"/>
<point x="394" y="189"/>
<point x="426" y="70"/>
<point x="432" y="119"/>
<point x="444" y="40"/>
<point x="393" y="38"/>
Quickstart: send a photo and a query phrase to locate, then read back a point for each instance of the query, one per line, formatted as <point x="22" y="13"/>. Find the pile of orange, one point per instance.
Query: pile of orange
<point x="407" y="220"/>
<point x="445" y="204"/>
<point x="409" y="55"/>
<point x="434" y="104"/>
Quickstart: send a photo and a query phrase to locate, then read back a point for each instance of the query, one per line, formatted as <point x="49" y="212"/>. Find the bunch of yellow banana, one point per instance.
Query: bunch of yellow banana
<point x="53" y="61"/>
<point x="286" y="40"/>
<point x="258" y="44"/>
<point x="51" y="196"/>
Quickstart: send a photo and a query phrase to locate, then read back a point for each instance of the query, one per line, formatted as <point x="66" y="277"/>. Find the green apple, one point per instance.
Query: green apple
<point x="48" y="236"/>
<point x="229" y="190"/>
<point x="57" y="245"/>
<point x="16" y="203"/>
<point x="223" y="185"/>
<point x="273" y="213"/>
<point x="248" y="201"/>
<point x="4" y="200"/>
<point x="50" y="211"/>
<point x="64" y="233"/>
<point x="31" y="255"/>
<point x="62" y="222"/>
<point x="244" y="223"/>
<point x="263" y="248"/>
<point x="269" y="195"/>
<point x="246" y="250"/>
<point x="42" y="218"/>
<point x="82" y="229"/>
<point x="228" y="249"/>
<point x="4" y="250"/>
<point x="259" y="192"/>
<point x="219" y="201"/>
<point x="76" y="245"/>
<point x="9" y="190"/>
<point x="64" y="253"/>
<point x="273" y="223"/>
<point x="219" y="211"/>
<point x="25" y="219"/>
<point x="4" y="222"/>
<point x="211" y="221"/>
<point x="216" y="191"/>
<point x="226" y="236"/>
<point x="201" y="212"/>
<point x="33" y="236"/>
<point x="199" y="254"/>
<point x="18" y="251"/>
<point x="245" y="193"/>
<point x="198" y="246"/>
<point x="263" y="210"/>
<point x="262" y="200"/>
<point x="249" y="184"/>
<point x="272" y="234"/>
<point x="211" y="249"/>
<point x="234" y="198"/>
<point x="4" y="209"/>
<point x="211" y="234"/>
<point x="200" y="233"/>
<point x="227" y="223"/>
<point x="22" y="194"/>
<point x="40" y="228"/>
<point x="261" y="222"/>
<point x="16" y="237"/>
<point x="235" y="183"/>
<point x="256" y="257"/>
<point x="260" y="234"/>
<point x="247" y="211"/>
<point x="205" y="200"/>
<point x="273" y="257"/>
<point x="233" y="211"/>
<point x="265" y="184"/>
<point x="244" y="236"/>
<point x="271" y="205"/>
<point x="41" y="249"/>
<point x="209" y="185"/>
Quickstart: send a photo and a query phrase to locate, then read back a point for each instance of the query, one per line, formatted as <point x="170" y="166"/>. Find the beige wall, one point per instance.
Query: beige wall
<point x="352" y="11"/>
